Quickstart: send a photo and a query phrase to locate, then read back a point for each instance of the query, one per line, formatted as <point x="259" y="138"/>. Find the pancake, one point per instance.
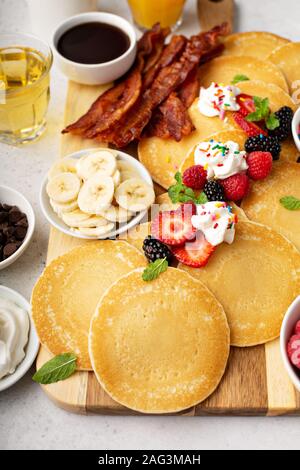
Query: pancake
<point x="223" y="70"/>
<point x="256" y="279"/>
<point x="287" y="58"/>
<point x="137" y="235"/>
<point x="65" y="297"/>
<point x="164" y="344"/>
<point x="255" y="44"/>
<point x="262" y="205"/>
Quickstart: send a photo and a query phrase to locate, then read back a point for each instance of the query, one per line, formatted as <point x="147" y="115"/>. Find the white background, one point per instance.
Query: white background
<point x="28" y="420"/>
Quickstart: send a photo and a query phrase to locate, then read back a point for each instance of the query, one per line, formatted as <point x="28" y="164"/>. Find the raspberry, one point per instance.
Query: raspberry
<point x="235" y="187"/>
<point x="260" y="165"/>
<point x="195" y="177"/>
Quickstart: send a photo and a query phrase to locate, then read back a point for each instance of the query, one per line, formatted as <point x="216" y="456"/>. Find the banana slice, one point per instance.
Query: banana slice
<point x="135" y="195"/>
<point x="117" y="214"/>
<point x="95" y="231"/>
<point x="63" y="187"/>
<point x="63" y="208"/>
<point x="116" y="178"/>
<point x="96" y="194"/>
<point x="127" y="171"/>
<point x="64" y="165"/>
<point x="103" y="161"/>
<point x="74" y="218"/>
<point x="93" y="221"/>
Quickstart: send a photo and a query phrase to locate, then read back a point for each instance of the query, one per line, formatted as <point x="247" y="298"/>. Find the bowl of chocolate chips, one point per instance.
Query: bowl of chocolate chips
<point x="17" y="223"/>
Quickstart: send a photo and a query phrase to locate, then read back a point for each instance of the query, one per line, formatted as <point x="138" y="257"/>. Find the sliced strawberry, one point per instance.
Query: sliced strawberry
<point x="295" y="358"/>
<point x="250" y="128"/>
<point x="297" y="328"/>
<point x="246" y="103"/>
<point x="196" y="253"/>
<point x="187" y="209"/>
<point x="173" y="227"/>
<point x="293" y="344"/>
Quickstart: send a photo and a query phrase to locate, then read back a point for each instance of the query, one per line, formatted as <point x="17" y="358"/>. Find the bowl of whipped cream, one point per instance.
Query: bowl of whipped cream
<point x="19" y="342"/>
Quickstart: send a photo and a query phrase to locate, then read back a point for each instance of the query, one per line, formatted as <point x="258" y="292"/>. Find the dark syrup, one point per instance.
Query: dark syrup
<point x="93" y="43"/>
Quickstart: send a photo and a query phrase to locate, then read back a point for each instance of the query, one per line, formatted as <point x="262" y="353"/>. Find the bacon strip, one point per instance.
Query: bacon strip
<point x="131" y="126"/>
<point x="115" y="102"/>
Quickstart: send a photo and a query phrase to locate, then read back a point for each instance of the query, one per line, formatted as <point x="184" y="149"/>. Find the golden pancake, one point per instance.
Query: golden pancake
<point x="263" y="203"/>
<point x="237" y="136"/>
<point x="164" y="344"/>
<point x="287" y="58"/>
<point x="256" y="279"/>
<point x="256" y="44"/>
<point x="224" y="69"/>
<point x="65" y="297"/>
<point x="137" y="235"/>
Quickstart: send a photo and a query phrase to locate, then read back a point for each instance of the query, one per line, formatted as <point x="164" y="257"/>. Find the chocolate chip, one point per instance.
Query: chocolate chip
<point x="6" y="207"/>
<point x="8" y="231"/>
<point x="22" y="222"/>
<point x="9" y="249"/>
<point x="2" y="238"/>
<point x="3" y="216"/>
<point x="14" y="216"/>
<point x="20" y="233"/>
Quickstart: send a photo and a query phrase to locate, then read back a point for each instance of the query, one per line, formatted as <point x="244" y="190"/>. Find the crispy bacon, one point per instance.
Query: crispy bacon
<point x="115" y="102"/>
<point x="167" y="80"/>
<point x="189" y="90"/>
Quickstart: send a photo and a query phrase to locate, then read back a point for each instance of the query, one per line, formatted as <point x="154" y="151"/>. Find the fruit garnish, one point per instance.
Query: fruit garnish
<point x="173" y="227"/>
<point x="155" y="249"/>
<point x="259" y="165"/>
<point x="293" y="350"/>
<point x="153" y="270"/>
<point x="285" y="117"/>
<point x="249" y="128"/>
<point x="195" y="254"/>
<point x="58" y="368"/>
<point x="246" y="104"/>
<point x="194" y="177"/>
<point x="214" y="191"/>
<point x="263" y="113"/>
<point x="236" y="187"/>
<point x="265" y="144"/>
<point x="179" y="192"/>
<point x="239" y="78"/>
<point x="297" y="328"/>
<point x="290" y="202"/>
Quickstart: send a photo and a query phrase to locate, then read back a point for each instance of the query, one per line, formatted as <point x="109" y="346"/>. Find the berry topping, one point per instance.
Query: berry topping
<point x="195" y="177"/>
<point x="293" y="350"/>
<point x="173" y="227"/>
<point x="250" y="128"/>
<point x="196" y="253"/>
<point x="246" y="103"/>
<point x="155" y="249"/>
<point x="187" y="209"/>
<point x="214" y="191"/>
<point x="259" y="165"/>
<point x="297" y="328"/>
<point x="285" y="117"/>
<point x="236" y="187"/>
<point x="264" y="144"/>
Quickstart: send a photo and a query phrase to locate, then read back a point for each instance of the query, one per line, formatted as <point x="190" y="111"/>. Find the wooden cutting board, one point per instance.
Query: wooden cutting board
<point x="255" y="382"/>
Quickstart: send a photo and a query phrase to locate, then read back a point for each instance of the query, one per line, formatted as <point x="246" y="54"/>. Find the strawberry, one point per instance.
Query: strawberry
<point x="293" y="344"/>
<point x="173" y="227"/>
<point x="250" y="128"/>
<point x="297" y="328"/>
<point x="295" y="358"/>
<point x="187" y="209"/>
<point x="260" y="165"/>
<point x="246" y="103"/>
<point x="196" y="253"/>
<point x="195" y="177"/>
<point x="235" y="187"/>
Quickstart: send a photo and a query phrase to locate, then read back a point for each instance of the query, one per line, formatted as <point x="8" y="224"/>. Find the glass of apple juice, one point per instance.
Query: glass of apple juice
<point x="25" y="63"/>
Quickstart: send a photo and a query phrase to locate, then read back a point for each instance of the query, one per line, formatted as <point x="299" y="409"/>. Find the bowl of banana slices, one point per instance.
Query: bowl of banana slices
<point x="96" y="193"/>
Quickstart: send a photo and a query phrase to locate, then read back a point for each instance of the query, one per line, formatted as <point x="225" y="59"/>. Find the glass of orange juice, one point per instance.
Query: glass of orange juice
<point x="148" y="12"/>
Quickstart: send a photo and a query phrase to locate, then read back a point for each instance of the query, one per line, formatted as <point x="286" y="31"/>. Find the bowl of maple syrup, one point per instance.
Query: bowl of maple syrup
<point x="94" y="48"/>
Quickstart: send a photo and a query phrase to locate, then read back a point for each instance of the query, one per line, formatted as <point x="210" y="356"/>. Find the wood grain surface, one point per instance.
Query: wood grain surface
<point x="255" y="382"/>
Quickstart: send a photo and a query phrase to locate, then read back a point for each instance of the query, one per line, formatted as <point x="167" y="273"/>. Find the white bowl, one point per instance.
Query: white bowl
<point x="95" y="74"/>
<point x="14" y="198"/>
<point x="56" y="221"/>
<point x="32" y="346"/>
<point x="295" y="126"/>
<point x="291" y="317"/>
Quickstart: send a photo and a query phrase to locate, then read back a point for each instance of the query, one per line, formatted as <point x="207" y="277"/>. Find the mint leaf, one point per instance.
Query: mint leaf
<point x="254" y="117"/>
<point x="272" y="122"/>
<point x="153" y="270"/>
<point x="265" y="107"/>
<point x="239" y="78"/>
<point x="290" y="202"/>
<point x="58" y="368"/>
<point x="202" y="198"/>
<point x="178" y="177"/>
<point x="179" y="192"/>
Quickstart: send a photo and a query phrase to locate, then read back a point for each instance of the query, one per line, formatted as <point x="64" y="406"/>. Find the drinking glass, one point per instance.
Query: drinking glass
<point x="146" y="13"/>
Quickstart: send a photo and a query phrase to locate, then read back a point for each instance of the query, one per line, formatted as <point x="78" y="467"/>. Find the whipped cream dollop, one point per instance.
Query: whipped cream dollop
<point x="220" y="160"/>
<point x="14" y="327"/>
<point x="217" y="222"/>
<point x="216" y="99"/>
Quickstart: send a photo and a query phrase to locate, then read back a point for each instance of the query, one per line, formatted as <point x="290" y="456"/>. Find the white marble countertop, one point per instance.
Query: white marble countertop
<point x="28" y="420"/>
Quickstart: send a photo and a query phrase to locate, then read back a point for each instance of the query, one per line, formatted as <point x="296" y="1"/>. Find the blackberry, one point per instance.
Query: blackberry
<point x="285" y="116"/>
<point x="264" y="144"/>
<point x="214" y="191"/>
<point x="155" y="249"/>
